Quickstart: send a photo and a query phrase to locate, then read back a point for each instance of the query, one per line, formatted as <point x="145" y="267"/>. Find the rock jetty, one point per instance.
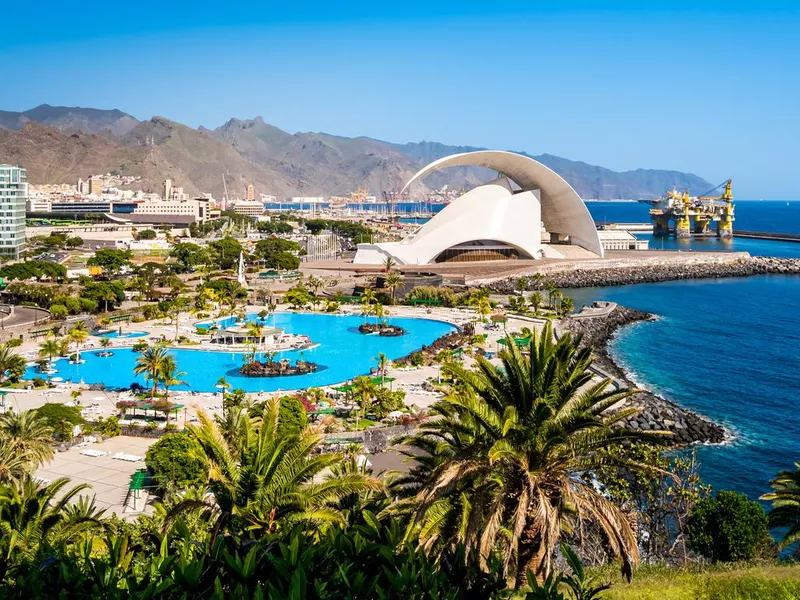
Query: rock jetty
<point x="381" y="329"/>
<point x="652" y="273"/>
<point x="657" y="414"/>
<point x="277" y="369"/>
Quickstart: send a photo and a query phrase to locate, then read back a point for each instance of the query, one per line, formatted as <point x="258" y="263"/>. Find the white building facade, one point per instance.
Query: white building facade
<point x="527" y="212"/>
<point x="13" y="196"/>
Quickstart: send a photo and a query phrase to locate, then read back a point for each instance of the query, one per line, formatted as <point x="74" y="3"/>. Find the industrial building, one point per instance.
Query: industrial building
<point x="527" y="212"/>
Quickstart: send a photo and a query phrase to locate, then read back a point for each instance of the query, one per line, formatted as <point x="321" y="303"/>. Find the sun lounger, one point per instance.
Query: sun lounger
<point x="127" y="457"/>
<point x="92" y="452"/>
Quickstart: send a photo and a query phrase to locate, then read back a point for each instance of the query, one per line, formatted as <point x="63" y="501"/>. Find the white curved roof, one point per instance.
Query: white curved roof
<point x="489" y="213"/>
<point x="562" y="210"/>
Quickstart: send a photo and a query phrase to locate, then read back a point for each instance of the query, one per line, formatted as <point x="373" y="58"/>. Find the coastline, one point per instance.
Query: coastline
<point x="657" y="412"/>
<point x="599" y="275"/>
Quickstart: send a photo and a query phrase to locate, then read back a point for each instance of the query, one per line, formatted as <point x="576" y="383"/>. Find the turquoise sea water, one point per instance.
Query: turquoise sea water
<point x="342" y="353"/>
<point x="729" y="349"/>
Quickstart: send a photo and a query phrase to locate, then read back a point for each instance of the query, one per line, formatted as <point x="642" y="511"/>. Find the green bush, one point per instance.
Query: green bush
<point x="291" y="416"/>
<point x="176" y="461"/>
<point x="58" y="311"/>
<point x="728" y="527"/>
<point x="147" y="234"/>
<point x="108" y="427"/>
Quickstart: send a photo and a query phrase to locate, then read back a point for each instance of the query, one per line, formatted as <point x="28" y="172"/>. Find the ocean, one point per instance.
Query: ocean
<point x="728" y="349"/>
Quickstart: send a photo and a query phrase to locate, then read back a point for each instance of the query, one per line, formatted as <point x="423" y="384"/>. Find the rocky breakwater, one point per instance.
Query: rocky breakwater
<point x="657" y="413"/>
<point x="652" y="272"/>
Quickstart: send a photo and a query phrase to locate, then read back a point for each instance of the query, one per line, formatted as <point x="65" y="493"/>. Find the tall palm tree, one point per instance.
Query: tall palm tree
<point x="77" y="335"/>
<point x="536" y="300"/>
<point x="261" y="480"/>
<point x="49" y="348"/>
<point x="256" y="330"/>
<point x="11" y="363"/>
<point x="35" y="516"/>
<point x="28" y="435"/>
<point x="150" y="363"/>
<point x="383" y="365"/>
<point x="389" y="263"/>
<point x="392" y="282"/>
<point x="785" y="511"/>
<point x="169" y="374"/>
<point x="367" y="298"/>
<point x="510" y="444"/>
<point x="364" y="391"/>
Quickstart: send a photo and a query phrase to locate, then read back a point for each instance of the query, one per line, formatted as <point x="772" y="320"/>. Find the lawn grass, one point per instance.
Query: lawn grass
<point x="709" y="582"/>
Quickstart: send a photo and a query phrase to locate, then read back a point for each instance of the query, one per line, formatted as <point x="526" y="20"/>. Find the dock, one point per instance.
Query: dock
<point x="765" y="235"/>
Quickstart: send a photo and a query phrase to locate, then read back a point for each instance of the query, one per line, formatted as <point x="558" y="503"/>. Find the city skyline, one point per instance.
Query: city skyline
<point x="694" y="88"/>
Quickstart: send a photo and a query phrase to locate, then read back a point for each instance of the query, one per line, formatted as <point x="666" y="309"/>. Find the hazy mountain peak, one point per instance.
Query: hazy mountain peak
<point x="276" y="162"/>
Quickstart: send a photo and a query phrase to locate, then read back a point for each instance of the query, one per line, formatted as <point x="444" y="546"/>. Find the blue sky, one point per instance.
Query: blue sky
<point x="706" y="87"/>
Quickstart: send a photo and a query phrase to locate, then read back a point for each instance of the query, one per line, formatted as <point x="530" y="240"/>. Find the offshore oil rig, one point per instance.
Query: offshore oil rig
<point x="685" y="216"/>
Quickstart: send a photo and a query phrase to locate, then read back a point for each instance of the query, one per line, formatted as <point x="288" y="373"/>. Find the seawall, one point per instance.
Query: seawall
<point x="601" y="274"/>
<point x="657" y="413"/>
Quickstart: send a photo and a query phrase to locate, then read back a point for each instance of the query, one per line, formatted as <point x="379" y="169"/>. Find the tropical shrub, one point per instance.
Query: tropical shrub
<point x="176" y="461"/>
<point x="728" y="527"/>
<point x="291" y="416"/>
<point x="55" y="414"/>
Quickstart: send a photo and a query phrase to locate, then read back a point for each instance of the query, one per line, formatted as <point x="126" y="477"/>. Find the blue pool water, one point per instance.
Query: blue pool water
<point x="125" y="334"/>
<point x="343" y="353"/>
<point x="728" y="349"/>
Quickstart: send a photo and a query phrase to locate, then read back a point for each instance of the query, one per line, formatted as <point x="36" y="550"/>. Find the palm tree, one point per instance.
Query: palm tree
<point x="392" y="282"/>
<point x="11" y="363"/>
<point x="78" y="335"/>
<point x="315" y="283"/>
<point x="367" y="298"/>
<point x="261" y="480"/>
<point x="50" y="348"/>
<point x="567" y="305"/>
<point x="27" y="435"/>
<point x="169" y="375"/>
<point x="35" y="515"/>
<point x="255" y="330"/>
<point x="150" y="363"/>
<point x="383" y="365"/>
<point x="388" y="264"/>
<point x="364" y="391"/>
<point x="223" y="384"/>
<point x="508" y="447"/>
<point x="105" y="342"/>
<point x="536" y="300"/>
<point x="785" y="511"/>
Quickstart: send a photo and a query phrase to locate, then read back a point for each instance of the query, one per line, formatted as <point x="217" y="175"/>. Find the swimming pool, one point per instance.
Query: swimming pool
<point x="125" y="334"/>
<point x="342" y="353"/>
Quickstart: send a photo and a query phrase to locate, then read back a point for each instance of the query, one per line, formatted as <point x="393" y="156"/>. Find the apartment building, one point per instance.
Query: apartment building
<point x="13" y="195"/>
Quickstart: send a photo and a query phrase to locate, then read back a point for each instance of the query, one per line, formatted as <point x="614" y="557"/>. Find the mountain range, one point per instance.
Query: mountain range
<point x="59" y="144"/>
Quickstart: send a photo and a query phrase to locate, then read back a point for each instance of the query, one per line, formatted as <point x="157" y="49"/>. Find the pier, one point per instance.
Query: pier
<point x="765" y="235"/>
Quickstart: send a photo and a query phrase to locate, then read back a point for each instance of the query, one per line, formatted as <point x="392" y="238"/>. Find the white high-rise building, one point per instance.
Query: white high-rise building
<point x="13" y="194"/>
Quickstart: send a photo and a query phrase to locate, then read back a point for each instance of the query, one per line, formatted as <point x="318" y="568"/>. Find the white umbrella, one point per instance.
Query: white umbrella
<point x="395" y="414"/>
<point x="56" y="379"/>
<point x="70" y="404"/>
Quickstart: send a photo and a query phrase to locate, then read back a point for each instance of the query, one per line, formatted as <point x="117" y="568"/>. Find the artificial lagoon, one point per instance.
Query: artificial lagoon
<point x="339" y="350"/>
